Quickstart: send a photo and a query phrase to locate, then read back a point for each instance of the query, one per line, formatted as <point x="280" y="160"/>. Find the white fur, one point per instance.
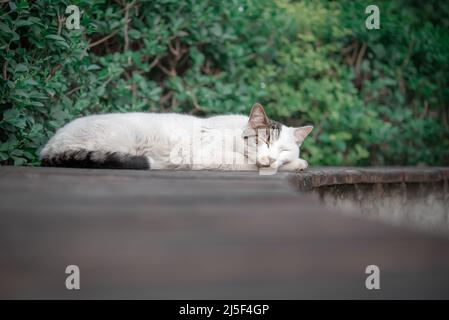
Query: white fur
<point x="157" y="135"/>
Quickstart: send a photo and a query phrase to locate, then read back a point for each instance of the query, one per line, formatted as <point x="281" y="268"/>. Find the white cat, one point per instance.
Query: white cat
<point x="176" y="141"/>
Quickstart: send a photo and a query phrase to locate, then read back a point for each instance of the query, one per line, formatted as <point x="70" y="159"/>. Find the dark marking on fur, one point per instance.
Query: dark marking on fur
<point x="269" y="132"/>
<point x="274" y="128"/>
<point x="96" y="160"/>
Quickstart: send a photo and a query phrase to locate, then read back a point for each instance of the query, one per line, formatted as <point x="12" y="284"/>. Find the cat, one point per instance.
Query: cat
<point x="177" y="141"/>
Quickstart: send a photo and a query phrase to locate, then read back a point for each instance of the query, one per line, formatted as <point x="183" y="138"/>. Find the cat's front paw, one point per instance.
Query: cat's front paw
<point x="302" y="164"/>
<point x="295" y="165"/>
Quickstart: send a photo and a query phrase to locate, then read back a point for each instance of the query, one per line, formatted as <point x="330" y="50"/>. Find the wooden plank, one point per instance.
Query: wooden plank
<point x="326" y="176"/>
<point x="199" y="235"/>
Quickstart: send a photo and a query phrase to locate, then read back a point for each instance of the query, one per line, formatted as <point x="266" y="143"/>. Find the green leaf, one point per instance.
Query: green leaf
<point x="55" y="37"/>
<point x="16" y="153"/>
<point x="21" y="68"/>
<point x="93" y="67"/>
<point x="19" y="161"/>
<point x="31" y="82"/>
<point x="36" y="103"/>
<point x="62" y="44"/>
<point x="10" y="115"/>
<point x="12" y="6"/>
<point x="4" y="28"/>
<point x="21" y="23"/>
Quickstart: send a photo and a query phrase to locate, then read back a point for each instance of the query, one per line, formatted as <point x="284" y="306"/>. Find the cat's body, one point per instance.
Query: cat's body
<point x="169" y="141"/>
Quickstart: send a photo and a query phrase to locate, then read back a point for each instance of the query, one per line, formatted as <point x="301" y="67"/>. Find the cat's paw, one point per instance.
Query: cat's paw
<point x="263" y="162"/>
<point x="302" y="164"/>
<point x="295" y="165"/>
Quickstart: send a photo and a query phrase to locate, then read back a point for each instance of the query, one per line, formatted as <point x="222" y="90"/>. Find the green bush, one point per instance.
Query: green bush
<point x="374" y="96"/>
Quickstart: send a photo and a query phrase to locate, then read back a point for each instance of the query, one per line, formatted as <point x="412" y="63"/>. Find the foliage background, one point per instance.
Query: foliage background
<point x="374" y="96"/>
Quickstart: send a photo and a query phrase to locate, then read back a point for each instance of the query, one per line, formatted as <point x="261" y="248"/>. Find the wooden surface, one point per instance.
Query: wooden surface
<point x="328" y="176"/>
<point x="190" y="235"/>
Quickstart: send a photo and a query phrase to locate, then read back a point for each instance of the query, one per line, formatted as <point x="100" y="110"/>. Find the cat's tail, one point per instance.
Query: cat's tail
<point x="94" y="159"/>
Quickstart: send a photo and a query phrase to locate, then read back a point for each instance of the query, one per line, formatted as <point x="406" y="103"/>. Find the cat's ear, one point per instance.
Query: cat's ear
<point x="257" y="117"/>
<point x="301" y="133"/>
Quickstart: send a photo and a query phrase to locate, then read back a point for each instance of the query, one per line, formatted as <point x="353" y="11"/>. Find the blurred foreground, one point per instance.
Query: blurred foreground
<point x="190" y="235"/>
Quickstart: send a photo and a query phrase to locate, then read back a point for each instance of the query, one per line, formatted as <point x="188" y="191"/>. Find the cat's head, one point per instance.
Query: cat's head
<point x="271" y="142"/>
